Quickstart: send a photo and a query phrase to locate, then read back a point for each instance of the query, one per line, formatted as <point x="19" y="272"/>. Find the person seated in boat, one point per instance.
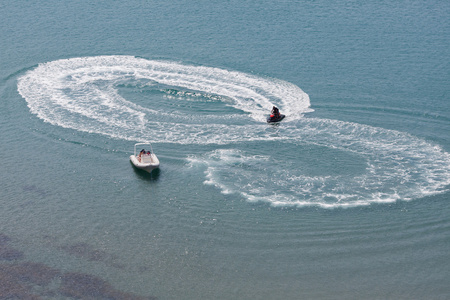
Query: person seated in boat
<point x="148" y="153"/>
<point x="140" y="154"/>
<point x="275" y="112"/>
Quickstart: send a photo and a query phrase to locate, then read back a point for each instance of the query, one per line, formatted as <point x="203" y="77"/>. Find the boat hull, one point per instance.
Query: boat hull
<point x="274" y="119"/>
<point x="146" y="166"/>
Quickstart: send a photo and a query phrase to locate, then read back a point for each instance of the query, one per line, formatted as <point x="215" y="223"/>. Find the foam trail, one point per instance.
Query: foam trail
<point x="86" y="86"/>
<point x="83" y="94"/>
<point x="394" y="166"/>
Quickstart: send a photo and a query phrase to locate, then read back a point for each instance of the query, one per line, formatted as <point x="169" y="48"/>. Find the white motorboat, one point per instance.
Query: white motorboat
<point x="145" y="159"/>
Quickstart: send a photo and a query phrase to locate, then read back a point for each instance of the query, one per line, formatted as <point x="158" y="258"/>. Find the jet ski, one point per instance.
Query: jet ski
<point x="273" y="119"/>
<point x="275" y="115"/>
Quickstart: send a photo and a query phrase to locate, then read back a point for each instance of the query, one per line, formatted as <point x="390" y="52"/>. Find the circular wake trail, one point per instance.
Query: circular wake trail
<point x="83" y="94"/>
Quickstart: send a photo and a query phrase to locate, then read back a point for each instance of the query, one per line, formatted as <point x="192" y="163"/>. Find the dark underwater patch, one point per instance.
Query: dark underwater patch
<point x="6" y="251"/>
<point x="34" y="281"/>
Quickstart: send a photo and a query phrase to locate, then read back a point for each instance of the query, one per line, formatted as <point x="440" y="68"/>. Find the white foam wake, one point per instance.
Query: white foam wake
<point x="371" y="165"/>
<point x="64" y="91"/>
<point x="83" y="94"/>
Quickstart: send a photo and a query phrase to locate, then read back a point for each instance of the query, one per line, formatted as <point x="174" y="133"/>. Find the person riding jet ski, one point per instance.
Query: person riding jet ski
<point x="275" y="112"/>
<point x="275" y="115"/>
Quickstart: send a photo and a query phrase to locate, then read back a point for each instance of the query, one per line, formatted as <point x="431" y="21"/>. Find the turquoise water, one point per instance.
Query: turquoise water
<point x="346" y="198"/>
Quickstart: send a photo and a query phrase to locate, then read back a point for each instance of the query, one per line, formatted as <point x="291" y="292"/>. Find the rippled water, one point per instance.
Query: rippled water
<point x="345" y="198"/>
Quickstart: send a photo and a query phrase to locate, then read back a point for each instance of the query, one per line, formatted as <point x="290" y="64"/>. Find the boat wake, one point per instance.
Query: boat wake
<point x="136" y="99"/>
